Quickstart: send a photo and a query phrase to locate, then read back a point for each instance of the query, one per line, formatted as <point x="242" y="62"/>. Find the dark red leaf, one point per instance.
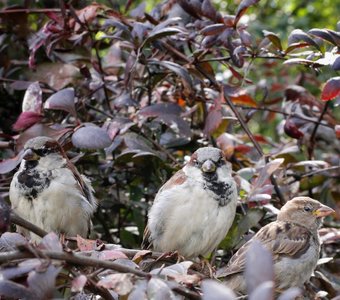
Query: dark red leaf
<point x="26" y="120"/>
<point x="294" y="46"/>
<point x="246" y="37"/>
<point x="331" y="89"/>
<point x="160" y="33"/>
<point x="178" y="70"/>
<point x="193" y="8"/>
<point x="243" y="6"/>
<point x="209" y="11"/>
<point x="274" y="38"/>
<point x="213" y="120"/>
<point x="213" y="29"/>
<point x="259" y="266"/>
<point x="298" y="35"/>
<point x="159" y="109"/>
<point x="91" y="137"/>
<point x="323" y="34"/>
<point x="62" y="100"/>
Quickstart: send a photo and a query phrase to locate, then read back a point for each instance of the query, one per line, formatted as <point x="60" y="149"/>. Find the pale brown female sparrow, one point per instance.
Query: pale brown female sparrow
<point x="195" y="208"/>
<point x="48" y="191"/>
<point x="293" y="240"/>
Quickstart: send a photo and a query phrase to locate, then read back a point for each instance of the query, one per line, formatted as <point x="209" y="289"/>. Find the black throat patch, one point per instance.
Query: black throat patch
<point x="31" y="181"/>
<point x="222" y="190"/>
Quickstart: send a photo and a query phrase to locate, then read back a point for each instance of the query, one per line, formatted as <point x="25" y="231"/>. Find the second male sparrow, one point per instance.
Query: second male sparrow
<point x="293" y="240"/>
<point x="48" y="191"/>
<point x="195" y="208"/>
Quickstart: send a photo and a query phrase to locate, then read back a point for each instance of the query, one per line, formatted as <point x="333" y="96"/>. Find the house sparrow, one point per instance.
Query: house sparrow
<point x="293" y="240"/>
<point x="48" y="191"/>
<point x="195" y="208"/>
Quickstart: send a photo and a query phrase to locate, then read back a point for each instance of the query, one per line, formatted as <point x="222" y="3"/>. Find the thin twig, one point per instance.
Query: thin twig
<point x="312" y="137"/>
<point x="15" y="219"/>
<point x="90" y="262"/>
<point x="282" y="113"/>
<point x="30" y="11"/>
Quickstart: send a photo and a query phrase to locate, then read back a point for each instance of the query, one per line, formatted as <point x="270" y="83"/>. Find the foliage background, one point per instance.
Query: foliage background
<point x="132" y="94"/>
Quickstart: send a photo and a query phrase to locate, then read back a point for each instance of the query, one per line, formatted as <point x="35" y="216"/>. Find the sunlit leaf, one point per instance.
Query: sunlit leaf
<point x="298" y="35"/>
<point x="62" y="100"/>
<point x="331" y="89"/>
<point x="33" y="99"/>
<point x="91" y="137"/>
<point x="274" y="38"/>
<point x="243" y="6"/>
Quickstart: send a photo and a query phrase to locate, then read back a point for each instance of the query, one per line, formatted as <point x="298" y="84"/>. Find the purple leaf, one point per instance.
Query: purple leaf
<point x="259" y="267"/>
<point x="267" y="171"/>
<point x="42" y="282"/>
<point x="91" y="137"/>
<point x="78" y="284"/>
<point x="10" y="240"/>
<point x="158" y="289"/>
<point x="120" y="283"/>
<point x="213" y="290"/>
<point x="323" y="34"/>
<point x="10" y="164"/>
<point x="14" y="290"/>
<point x="159" y="109"/>
<point x="51" y="242"/>
<point x="264" y="291"/>
<point x="62" y="100"/>
<point x="298" y="35"/>
<point x="274" y="38"/>
<point x="243" y="6"/>
<point x="213" y="29"/>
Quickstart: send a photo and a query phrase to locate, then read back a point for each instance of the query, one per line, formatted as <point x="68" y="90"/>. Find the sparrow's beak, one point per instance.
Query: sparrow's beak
<point x="208" y="166"/>
<point x="323" y="211"/>
<point x="30" y="155"/>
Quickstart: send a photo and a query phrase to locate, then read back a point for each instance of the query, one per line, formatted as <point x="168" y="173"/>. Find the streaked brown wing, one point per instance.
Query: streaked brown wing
<point x="146" y="243"/>
<point x="281" y="238"/>
<point x="177" y="179"/>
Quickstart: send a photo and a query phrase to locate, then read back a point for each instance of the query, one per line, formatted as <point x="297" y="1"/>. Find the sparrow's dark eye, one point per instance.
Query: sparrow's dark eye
<point x="196" y="163"/>
<point x="307" y="208"/>
<point x="42" y="152"/>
